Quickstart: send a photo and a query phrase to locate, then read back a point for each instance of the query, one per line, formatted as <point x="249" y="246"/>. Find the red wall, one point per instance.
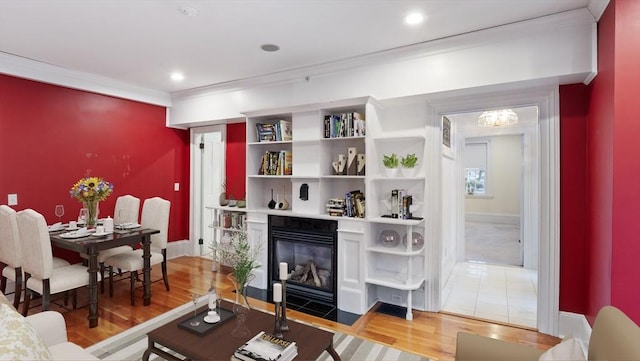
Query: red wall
<point x="573" y="199"/>
<point x="625" y="265"/>
<point x="613" y="165"/>
<point x="51" y="136"/>
<point x="235" y="169"/>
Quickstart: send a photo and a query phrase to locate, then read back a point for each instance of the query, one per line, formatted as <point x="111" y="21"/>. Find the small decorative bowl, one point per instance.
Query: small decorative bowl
<point x="417" y="240"/>
<point x="389" y="238"/>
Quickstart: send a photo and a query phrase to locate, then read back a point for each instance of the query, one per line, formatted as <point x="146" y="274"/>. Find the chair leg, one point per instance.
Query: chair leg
<point x="27" y="295"/>
<point x="66" y="298"/>
<point x="74" y="301"/>
<point x="165" y="277"/>
<point x="3" y="279"/>
<point x="101" y="277"/>
<point x="110" y="281"/>
<point x="18" y="293"/>
<point x="46" y="294"/>
<point x="134" y="276"/>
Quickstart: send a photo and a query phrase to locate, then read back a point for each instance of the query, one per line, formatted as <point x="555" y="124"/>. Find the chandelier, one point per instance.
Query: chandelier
<point x="496" y="118"/>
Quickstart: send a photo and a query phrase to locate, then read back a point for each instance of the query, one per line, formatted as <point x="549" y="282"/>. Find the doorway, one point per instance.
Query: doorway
<point x="495" y="275"/>
<point x="208" y="173"/>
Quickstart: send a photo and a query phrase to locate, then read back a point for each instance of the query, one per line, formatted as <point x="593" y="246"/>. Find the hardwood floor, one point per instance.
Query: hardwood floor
<point x="429" y="334"/>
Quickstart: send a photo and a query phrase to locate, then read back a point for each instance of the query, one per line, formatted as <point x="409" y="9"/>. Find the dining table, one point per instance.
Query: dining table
<point x="91" y="246"/>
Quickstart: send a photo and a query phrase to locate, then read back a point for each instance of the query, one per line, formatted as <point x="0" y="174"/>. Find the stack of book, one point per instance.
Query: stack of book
<point x="335" y="207"/>
<point x="354" y="204"/>
<point x="265" y="347"/>
<point x="276" y="132"/>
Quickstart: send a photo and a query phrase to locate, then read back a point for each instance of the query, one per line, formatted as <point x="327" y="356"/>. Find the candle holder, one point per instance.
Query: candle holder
<point x="284" y="327"/>
<point x="277" y="328"/>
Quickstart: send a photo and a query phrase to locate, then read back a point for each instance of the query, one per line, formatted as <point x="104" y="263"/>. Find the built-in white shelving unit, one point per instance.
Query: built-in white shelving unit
<point x="372" y="272"/>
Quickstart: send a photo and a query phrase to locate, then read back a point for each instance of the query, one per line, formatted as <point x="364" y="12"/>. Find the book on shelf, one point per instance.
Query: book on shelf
<point x="285" y="132"/>
<point x="265" y="347"/>
<point x="276" y="163"/>
<point x="344" y="125"/>
<point x="265" y="132"/>
<point x="281" y="130"/>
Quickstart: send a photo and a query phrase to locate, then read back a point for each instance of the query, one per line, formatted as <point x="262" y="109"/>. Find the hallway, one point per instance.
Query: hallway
<point x="504" y="294"/>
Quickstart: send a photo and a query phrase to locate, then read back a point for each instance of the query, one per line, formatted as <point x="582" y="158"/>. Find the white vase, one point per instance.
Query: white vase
<point x="408" y="172"/>
<point x="391" y="172"/>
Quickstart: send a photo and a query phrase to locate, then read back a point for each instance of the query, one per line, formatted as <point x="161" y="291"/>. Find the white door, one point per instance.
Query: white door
<point x="208" y="173"/>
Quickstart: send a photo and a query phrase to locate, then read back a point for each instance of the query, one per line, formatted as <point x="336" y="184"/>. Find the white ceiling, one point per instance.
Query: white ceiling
<point x="142" y="41"/>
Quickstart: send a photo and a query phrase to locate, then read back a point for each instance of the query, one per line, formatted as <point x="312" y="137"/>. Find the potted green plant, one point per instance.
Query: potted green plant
<point x="409" y="163"/>
<point x="390" y="163"/>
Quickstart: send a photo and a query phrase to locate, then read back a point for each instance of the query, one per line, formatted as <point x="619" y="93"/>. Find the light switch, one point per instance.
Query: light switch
<point x="12" y="199"/>
<point x="176" y="186"/>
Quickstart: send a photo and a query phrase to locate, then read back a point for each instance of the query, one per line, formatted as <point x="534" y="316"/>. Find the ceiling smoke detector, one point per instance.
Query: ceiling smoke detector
<point x="188" y="11"/>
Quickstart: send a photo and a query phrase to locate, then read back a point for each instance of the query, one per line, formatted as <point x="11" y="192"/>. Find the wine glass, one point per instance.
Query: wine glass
<point x="84" y="215"/>
<point x="59" y="212"/>
<point x="194" y="298"/>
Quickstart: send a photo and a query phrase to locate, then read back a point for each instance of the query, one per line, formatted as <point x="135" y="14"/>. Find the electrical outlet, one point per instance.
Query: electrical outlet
<point x="176" y="186"/>
<point x="396" y="298"/>
<point x="12" y="199"/>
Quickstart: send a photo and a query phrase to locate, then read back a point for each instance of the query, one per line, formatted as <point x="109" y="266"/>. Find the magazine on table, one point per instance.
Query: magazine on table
<point x="265" y="347"/>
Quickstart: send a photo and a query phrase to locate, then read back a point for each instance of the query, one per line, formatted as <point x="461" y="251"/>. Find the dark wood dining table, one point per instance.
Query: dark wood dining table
<point x="91" y="247"/>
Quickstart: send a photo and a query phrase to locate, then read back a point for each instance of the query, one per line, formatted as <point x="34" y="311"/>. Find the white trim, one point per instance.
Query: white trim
<point x="575" y="325"/>
<point x="493" y="218"/>
<point x="35" y="70"/>
<point x="597" y="8"/>
<point x="177" y="249"/>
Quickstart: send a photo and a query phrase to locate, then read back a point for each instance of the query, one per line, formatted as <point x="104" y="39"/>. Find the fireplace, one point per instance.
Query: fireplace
<point x="309" y="247"/>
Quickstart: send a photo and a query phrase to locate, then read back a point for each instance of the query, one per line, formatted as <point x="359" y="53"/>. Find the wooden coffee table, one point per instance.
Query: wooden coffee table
<point x="219" y="345"/>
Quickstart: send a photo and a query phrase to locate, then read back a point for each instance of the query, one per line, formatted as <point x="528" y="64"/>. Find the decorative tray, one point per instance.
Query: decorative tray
<point x="203" y="328"/>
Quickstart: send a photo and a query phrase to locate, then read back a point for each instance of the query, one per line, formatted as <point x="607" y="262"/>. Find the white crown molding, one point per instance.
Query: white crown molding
<point x="35" y="70"/>
<point x="425" y="49"/>
<point x="597" y="8"/>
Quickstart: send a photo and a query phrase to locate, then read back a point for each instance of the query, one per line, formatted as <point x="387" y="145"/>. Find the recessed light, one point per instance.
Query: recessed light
<point x="177" y="76"/>
<point x="413" y="18"/>
<point x="269" y="47"/>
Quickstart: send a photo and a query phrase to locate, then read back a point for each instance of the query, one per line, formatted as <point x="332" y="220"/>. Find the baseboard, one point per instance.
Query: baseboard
<point x="178" y="249"/>
<point x="492" y="218"/>
<point x="575" y="325"/>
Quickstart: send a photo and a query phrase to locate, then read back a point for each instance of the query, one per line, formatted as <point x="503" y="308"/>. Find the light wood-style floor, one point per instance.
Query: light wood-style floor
<point x="430" y="334"/>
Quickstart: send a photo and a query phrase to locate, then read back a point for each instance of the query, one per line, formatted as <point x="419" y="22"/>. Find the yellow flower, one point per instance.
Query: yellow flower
<point x="91" y="189"/>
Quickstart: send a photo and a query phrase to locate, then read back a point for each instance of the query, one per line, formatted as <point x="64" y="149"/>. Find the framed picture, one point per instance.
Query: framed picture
<point x="448" y="138"/>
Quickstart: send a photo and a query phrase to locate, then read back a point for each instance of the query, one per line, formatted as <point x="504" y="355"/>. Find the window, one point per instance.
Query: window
<point x="476" y="161"/>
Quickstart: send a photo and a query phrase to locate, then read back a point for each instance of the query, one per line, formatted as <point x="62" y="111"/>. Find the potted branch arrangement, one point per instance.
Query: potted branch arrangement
<point x="409" y="163"/>
<point x="390" y="163"/>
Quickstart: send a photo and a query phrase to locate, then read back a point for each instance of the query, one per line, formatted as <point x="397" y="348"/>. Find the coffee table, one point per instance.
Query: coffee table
<point x="219" y="345"/>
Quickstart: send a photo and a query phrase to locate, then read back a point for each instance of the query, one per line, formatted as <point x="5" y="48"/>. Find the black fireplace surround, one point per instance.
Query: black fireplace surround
<point x="309" y="246"/>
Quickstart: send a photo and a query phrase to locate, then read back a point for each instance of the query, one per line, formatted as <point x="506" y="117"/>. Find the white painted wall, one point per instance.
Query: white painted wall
<point x="554" y="49"/>
<point x="504" y="176"/>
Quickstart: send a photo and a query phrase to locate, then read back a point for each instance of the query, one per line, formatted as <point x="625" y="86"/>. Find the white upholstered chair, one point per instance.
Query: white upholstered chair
<point x="126" y="211"/>
<point x="155" y="215"/>
<point x="11" y="253"/>
<point x="40" y="275"/>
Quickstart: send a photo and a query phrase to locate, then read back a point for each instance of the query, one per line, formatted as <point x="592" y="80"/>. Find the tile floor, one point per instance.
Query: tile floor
<point x="505" y="294"/>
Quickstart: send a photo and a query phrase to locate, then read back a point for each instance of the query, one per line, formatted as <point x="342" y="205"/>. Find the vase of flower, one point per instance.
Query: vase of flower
<point x="93" y="209"/>
<point x="90" y="191"/>
<point x="241" y="307"/>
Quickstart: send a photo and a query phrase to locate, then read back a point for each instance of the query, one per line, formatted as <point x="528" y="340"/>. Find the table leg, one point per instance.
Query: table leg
<point x="146" y="258"/>
<point x="93" y="288"/>
<point x="332" y="351"/>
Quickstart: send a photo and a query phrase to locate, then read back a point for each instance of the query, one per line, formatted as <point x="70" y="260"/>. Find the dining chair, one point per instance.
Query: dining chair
<point x="126" y="211"/>
<point x="11" y="253"/>
<point x="155" y="215"/>
<point x="40" y="275"/>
